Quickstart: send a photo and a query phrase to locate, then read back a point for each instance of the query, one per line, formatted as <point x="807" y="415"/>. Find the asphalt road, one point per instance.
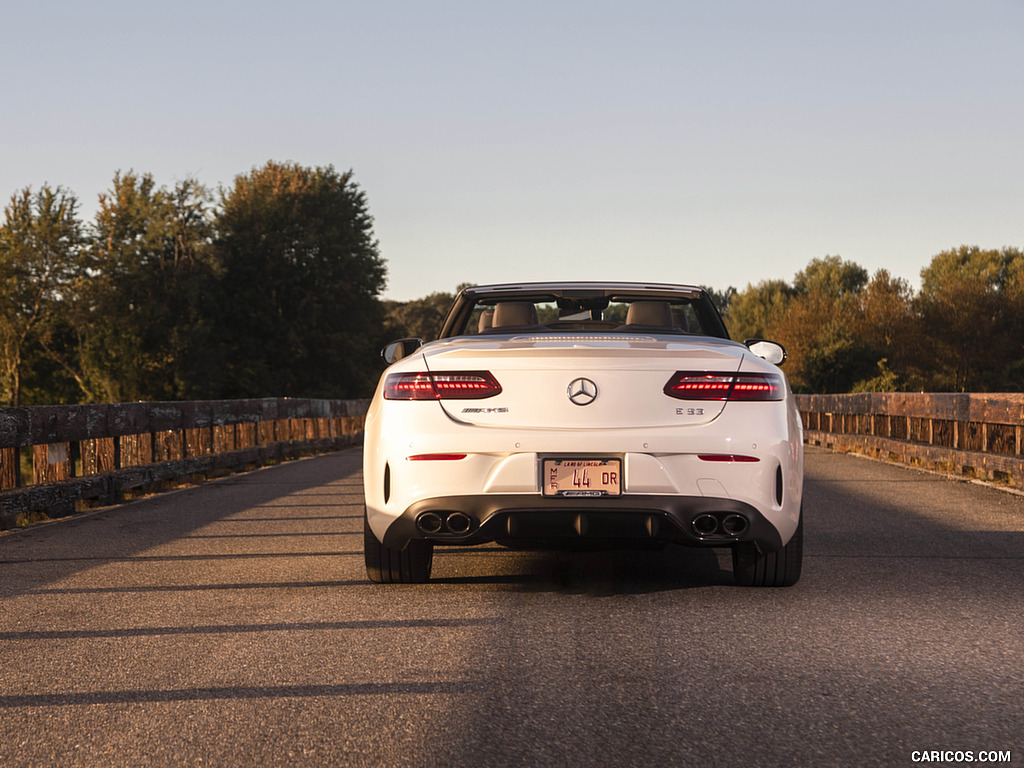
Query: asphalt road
<point x="231" y="625"/>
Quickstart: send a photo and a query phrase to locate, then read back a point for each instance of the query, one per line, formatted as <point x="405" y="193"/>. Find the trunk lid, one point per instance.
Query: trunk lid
<point x="582" y="382"/>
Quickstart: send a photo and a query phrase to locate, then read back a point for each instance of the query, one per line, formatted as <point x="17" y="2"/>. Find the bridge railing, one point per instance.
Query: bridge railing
<point x="974" y="435"/>
<point x="54" y="459"/>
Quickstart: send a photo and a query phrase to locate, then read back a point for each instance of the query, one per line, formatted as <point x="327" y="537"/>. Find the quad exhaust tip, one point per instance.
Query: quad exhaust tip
<point x="457" y="523"/>
<point x="722" y="524"/>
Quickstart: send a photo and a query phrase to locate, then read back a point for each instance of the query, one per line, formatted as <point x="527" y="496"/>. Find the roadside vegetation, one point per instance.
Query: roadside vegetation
<point x="846" y="331"/>
<point x="268" y="288"/>
<point x="272" y="287"/>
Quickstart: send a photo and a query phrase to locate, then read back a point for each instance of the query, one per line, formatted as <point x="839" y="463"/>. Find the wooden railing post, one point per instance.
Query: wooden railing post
<point x="10" y="468"/>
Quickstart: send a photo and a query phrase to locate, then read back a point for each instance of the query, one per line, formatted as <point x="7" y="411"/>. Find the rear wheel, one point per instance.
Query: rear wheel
<point x="396" y="566"/>
<point x="753" y="568"/>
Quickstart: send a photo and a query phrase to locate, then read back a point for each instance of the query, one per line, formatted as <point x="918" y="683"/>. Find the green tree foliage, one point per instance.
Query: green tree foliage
<point x="822" y="327"/>
<point x="40" y="261"/>
<point x="844" y="332"/>
<point x="755" y="311"/>
<point x="830" y="276"/>
<point x="419" y="318"/>
<point x="143" y="321"/>
<point x="166" y="296"/>
<point x="722" y="299"/>
<point x="889" y="325"/>
<point x="839" y="327"/>
<point x="298" y="307"/>
<point x="273" y="290"/>
<point x="972" y="307"/>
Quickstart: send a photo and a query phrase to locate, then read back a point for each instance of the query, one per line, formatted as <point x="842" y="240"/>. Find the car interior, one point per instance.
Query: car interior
<point x="614" y="316"/>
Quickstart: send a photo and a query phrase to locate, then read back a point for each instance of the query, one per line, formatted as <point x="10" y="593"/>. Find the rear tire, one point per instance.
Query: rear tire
<point x="396" y="566"/>
<point x="753" y="568"/>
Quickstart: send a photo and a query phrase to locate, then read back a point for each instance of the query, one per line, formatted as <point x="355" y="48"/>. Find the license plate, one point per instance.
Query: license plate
<point x="582" y="477"/>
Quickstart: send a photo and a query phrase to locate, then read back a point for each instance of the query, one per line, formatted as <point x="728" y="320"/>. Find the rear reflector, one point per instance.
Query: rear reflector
<point x="436" y="457"/>
<point x="422" y="385"/>
<point x="686" y="385"/>
<point x="727" y="457"/>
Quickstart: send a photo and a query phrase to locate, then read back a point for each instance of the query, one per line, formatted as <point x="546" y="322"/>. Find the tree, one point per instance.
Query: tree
<point x="419" y="318"/>
<point x="754" y="312"/>
<point x="972" y="307"/>
<point x="818" y="324"/>
<point x="40" y="258"/>
<point x="830" y="276"/>
<point x="298" y="307"/>
<point x="826" y="353"/>
<point x="890" y="327"/>
<point x="143" y="321"/>
<point x="826" y="326"/>
<point x="722" y="299"/>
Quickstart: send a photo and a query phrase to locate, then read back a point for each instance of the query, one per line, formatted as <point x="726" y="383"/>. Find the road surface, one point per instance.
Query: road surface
<point x="231" y="625"/>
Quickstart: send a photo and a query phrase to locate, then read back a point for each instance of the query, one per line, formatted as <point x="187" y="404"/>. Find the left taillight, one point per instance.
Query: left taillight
<point x="743" y="387"/>
<point x="448" y="385"/>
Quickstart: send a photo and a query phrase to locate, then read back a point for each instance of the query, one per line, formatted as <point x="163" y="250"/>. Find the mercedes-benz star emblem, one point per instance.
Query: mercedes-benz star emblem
<point x="582" y="391"/>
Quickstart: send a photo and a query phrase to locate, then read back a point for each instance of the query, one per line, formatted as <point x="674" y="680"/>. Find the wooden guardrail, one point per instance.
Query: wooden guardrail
<point x="974" y="435"/>
<point x="55" y="459"/>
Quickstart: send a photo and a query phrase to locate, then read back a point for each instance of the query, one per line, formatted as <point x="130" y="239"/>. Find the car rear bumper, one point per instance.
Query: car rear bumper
<point x="532" y="520"/>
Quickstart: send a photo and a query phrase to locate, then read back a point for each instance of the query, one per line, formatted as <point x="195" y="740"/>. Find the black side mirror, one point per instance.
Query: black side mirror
<point x="771" y="351"/>
<point x="396" y="350"/>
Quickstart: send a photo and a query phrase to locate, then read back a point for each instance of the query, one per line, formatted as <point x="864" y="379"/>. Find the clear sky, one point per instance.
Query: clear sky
<point x="718" y="143"/>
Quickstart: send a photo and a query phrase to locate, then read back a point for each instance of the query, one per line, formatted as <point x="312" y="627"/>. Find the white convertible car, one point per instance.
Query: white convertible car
<point x="584" y="415"/>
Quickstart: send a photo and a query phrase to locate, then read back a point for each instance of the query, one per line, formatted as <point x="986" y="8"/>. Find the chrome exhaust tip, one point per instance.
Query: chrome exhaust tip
<point x="735" y="525"/>
<point x="705" y="525"/>
<point x="429" y="522"/>
<point x="459" y="523"/>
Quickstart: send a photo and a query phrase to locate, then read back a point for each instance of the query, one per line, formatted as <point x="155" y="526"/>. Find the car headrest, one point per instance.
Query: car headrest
<point x="514" y="313"/>
<point x="656" y="313"/>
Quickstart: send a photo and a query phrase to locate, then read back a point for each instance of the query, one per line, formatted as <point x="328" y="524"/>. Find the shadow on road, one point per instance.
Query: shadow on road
<point x="146" y="530"/>
<point x="603" y="573"/>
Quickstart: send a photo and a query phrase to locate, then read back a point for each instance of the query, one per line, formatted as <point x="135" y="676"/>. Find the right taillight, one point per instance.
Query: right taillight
<point x="749" y="387"/>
